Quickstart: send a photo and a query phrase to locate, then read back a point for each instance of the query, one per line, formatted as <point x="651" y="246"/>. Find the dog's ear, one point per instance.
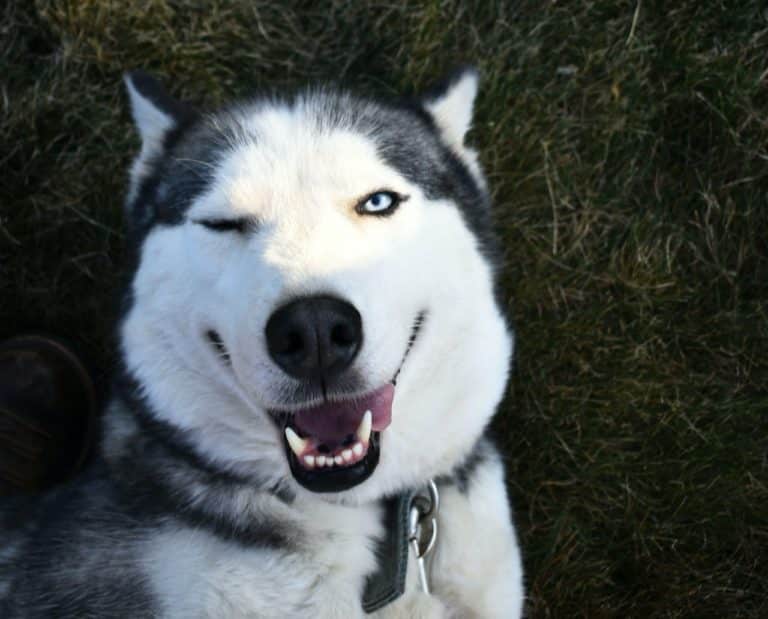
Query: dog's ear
<point x="451" y="104"/>
<point x="155" y="112"/>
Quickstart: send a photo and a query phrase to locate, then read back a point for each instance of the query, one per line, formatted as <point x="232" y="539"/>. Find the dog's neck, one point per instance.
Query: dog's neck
<point x="159" y="474"/>
<point x="161" y="471"/>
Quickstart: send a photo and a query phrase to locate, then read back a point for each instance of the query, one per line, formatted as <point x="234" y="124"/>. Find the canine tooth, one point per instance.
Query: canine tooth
<point x="298" y="444"/>
<point x="347" y="455"/>
<point x="309" y="461"/>
<point x="338" y="460"/>
<point x="364" y="430"/>
<point x="358" y="449"/>
<point x="320" y="460"/>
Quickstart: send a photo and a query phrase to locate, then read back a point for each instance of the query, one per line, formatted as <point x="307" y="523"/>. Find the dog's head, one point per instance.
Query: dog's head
<point x="313" y="300"/>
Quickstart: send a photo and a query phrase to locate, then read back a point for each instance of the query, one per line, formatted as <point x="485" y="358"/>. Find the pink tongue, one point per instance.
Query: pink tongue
<point x="332" y="422"/>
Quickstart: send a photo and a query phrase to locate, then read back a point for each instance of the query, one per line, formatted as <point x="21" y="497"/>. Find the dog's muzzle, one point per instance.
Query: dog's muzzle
<point x="334" y="445"/>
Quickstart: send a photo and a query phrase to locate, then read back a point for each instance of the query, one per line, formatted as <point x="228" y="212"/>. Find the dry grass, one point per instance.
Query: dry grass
<point x="627" y="145"/>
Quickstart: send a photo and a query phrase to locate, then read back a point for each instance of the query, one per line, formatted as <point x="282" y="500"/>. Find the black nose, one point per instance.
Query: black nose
<point x="314" y="337"/>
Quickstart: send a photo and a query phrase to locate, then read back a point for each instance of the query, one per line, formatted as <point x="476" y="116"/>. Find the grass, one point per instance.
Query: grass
<point x="627" y="147"/>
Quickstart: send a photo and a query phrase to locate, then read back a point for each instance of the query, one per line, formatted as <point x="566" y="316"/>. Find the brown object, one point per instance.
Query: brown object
<point x="47" y="413"/>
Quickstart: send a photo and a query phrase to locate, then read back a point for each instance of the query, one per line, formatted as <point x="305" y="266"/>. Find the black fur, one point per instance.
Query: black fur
<point x="462" y="475"/>
<point x="153" y="90"/>
<point x="81" y="534"/>
<point x="179" y="174"/>
<point x="161" y="453"/>
<point x="408" y="140"/>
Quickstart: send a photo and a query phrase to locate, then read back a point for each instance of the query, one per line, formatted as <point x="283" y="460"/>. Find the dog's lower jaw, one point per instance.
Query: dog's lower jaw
<point x="340" y="477"/>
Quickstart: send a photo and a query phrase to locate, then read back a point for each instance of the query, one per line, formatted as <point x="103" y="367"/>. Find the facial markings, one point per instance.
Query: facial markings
<point x="268" y="181"/>
<point x="403" y="137"/>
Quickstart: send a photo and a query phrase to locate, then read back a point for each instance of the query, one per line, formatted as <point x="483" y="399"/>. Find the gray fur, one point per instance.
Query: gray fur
<point x="77" y="551"/>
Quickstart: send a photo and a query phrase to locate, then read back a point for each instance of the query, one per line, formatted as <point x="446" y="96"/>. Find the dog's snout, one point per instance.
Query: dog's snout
<point x="314" y="337"/>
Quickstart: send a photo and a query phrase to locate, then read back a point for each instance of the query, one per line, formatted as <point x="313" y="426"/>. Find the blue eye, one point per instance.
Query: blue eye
<point x="379" y="203"/>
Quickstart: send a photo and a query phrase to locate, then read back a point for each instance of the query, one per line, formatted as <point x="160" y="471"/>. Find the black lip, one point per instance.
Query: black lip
<point x="338" y="478"/>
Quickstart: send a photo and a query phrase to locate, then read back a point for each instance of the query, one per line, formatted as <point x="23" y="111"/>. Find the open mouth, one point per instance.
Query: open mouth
<point x="335" y="445"/>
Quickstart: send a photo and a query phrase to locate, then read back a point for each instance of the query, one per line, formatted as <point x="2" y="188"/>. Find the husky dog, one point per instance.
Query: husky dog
<point x="311" y="331"/>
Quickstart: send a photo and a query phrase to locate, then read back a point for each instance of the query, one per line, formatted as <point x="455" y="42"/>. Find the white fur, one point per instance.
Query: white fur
<point x="301" y="184"/>
<point x="481" y="579"/>
<point x="484" y="578"/>
<point x="209" y="280"/>
<point x="221" y="579"/>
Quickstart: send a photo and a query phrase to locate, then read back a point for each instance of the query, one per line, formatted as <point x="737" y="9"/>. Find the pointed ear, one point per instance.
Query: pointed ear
<point x="451" y="105"/>
<point x="155" y="112"/>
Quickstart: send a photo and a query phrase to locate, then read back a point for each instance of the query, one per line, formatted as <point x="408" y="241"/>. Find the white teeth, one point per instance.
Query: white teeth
<point x="364" y="430"/>
<point x="298" y="444"/>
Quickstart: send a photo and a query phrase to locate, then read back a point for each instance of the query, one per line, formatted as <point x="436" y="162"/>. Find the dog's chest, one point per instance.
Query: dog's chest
<point x="321" y="570"/>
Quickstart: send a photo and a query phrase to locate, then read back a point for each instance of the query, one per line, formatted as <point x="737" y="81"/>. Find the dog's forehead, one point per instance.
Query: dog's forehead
<point x="288" y="158"/>
<point x="317" y="130"/>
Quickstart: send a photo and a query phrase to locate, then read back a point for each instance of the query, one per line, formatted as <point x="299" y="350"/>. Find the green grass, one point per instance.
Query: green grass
<point x="627" y="147"/>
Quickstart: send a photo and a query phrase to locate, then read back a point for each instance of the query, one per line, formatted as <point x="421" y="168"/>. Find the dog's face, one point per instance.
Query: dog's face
<point x="313" y="301"/>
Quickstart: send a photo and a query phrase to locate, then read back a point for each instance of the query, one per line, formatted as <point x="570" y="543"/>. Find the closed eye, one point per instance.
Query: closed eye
<point x="240" y="224"/>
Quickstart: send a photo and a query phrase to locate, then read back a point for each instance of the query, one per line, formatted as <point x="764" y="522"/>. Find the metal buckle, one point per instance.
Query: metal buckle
<point x="422" y="528"/>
